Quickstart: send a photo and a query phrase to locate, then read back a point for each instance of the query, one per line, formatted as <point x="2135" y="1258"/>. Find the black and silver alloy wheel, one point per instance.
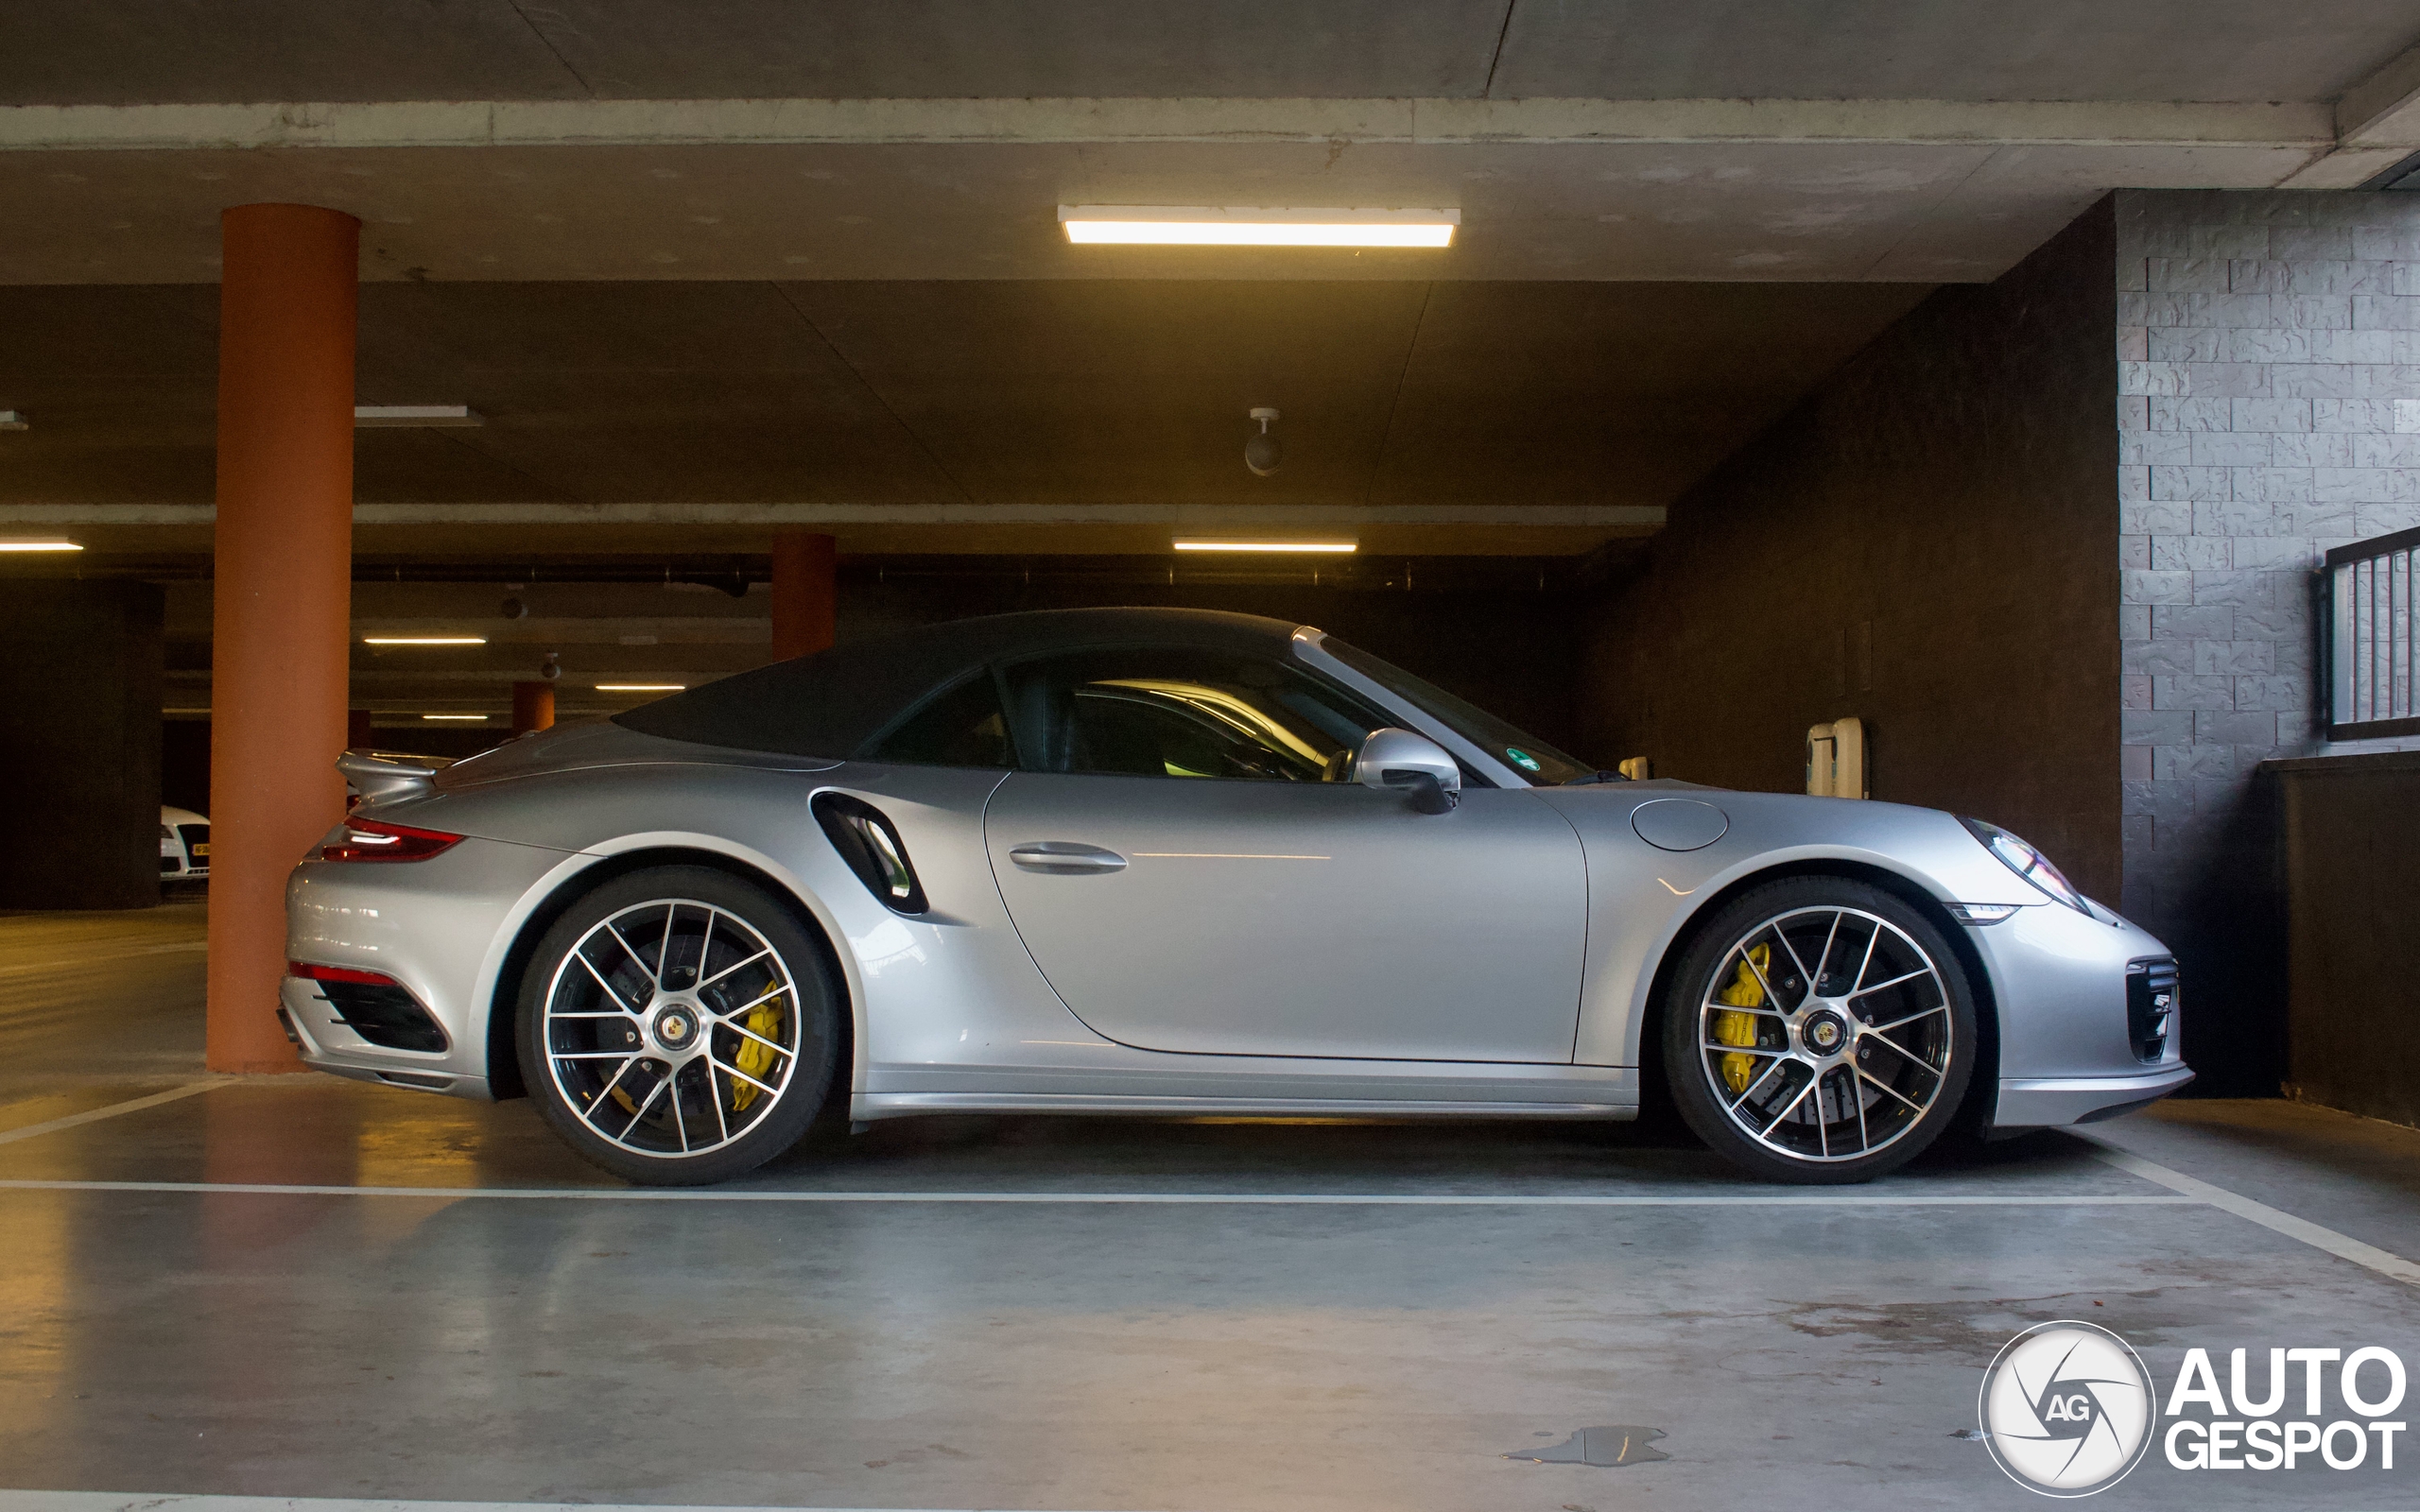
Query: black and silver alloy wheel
<point x="1818" y="1030"/>
<point x="677" y="1026"/>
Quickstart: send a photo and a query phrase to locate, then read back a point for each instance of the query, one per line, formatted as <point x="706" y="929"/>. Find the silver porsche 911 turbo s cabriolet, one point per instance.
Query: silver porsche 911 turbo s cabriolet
<point x="1172" y="861"/>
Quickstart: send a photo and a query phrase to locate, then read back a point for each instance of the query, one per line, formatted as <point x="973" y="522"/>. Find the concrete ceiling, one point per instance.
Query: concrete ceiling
<point x="1831" y="211"/>
<point x="1812" y="140"/>
<point x="73" y="52"/>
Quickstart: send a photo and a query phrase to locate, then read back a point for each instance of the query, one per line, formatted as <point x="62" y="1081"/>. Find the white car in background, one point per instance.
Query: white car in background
<point x="184" y="844"/>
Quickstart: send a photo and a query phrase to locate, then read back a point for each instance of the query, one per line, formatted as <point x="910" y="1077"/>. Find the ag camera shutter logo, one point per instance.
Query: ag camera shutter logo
<point x="2066" y="1409"/>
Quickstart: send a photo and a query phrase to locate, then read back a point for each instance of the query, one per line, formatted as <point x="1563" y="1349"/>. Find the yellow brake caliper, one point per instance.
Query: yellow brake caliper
<point x="1740" y="1028"/>
<point x="755" y="1058"/>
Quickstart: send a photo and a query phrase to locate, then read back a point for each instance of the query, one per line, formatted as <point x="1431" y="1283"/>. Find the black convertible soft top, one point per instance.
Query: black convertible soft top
<point x="833" y="702"/>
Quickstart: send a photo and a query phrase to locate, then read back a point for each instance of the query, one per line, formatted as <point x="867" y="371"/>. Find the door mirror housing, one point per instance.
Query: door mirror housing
<point x="1409" y="763"/>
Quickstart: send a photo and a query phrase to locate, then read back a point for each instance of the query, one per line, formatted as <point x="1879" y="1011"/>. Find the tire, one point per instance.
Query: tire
<point x="1831" y="1081"/>
<point x="677" y="1026"/>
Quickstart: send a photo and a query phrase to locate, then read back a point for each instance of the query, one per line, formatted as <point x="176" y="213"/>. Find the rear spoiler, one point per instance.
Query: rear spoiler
<point x="378" y="778"/>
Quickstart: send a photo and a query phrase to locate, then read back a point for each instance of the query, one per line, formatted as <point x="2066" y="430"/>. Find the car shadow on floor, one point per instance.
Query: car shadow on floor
<point x="318" y="1131"/>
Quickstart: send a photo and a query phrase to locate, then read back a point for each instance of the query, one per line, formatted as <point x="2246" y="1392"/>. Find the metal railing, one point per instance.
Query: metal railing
<point x="2371" y="638"/>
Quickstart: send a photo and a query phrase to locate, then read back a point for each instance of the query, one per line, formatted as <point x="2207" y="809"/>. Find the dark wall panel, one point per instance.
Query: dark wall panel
<point x="1925" y="542"/>
<point x="2352" y="864"/>
<point x="184" y="764"/>
<point x="80" y="761"/>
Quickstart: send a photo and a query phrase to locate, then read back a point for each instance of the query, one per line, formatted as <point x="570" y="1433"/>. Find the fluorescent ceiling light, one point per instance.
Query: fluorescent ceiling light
<point x="37" y="544"/>
<point x="375" y="417"/>
<point x="1239" y="225"/>
<point x="641" y="687"/>
<point x="1190" y="543"/>
<point x="480" y="717"/>
<point x="424" y="640"/>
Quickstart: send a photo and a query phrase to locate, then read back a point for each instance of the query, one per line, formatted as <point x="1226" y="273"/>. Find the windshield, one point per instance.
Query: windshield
<point x="1540" y="762"/>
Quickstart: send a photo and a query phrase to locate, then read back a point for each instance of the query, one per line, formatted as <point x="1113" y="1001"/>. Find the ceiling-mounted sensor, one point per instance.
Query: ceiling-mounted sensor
<point x="1263" y="452"/>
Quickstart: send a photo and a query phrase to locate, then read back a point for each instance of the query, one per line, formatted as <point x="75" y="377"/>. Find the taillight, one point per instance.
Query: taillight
<point x="338" y="974"/>
<point x="371" y="840"/>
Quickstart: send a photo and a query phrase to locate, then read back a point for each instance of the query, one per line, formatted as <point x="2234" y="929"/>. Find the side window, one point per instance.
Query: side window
<point x="964" y="727"/>
<point x="1173" y="711"/>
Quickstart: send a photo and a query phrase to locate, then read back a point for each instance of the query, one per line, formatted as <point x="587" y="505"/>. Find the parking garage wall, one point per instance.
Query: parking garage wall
<point x="81" y="764"/>
<point x="2269" y="358"/>
<point x="1924" y="542"/>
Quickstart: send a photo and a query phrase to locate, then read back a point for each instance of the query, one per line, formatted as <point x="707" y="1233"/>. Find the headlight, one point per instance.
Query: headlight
<point x="2028" y="863"/>
<point x="167" y="835"/>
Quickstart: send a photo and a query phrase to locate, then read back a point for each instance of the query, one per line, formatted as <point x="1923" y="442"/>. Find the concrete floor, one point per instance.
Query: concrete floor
<point x="516" y="1329"/>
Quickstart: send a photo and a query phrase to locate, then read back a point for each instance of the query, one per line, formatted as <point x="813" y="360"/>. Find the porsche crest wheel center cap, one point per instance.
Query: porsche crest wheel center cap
<point x="1824" y="1032"/>
<point x="676" y="1028"/>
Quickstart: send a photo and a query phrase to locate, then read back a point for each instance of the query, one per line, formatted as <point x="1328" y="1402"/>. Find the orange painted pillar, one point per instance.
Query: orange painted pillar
<point x="282" y="597"/>
<point x="534" y="707"/>
<point x="806" y="593"/>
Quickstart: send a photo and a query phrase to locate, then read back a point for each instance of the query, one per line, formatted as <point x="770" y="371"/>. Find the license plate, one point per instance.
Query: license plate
<point x="201" y="850"/>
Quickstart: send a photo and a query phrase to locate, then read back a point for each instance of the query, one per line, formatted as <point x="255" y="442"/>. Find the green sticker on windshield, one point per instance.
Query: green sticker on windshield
<point x="1522" y="759"/>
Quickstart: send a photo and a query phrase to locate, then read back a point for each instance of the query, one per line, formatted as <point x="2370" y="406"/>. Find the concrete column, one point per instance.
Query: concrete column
<point x="805" y="592"/>
<point x="283" y="600"/>
<point x="80" y="762"/>
<point x="534" y="707"/>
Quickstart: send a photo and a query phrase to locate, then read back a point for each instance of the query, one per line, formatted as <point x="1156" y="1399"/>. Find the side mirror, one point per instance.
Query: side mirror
<point x="1412" y="764"/>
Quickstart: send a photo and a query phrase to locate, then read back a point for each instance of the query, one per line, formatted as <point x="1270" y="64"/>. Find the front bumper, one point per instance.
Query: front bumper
<point x="2046" y="1102"/>
<point x="2065" y="1052"/>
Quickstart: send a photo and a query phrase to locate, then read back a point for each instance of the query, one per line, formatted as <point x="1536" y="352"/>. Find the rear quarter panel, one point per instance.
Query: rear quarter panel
<point x="949" y="987"/>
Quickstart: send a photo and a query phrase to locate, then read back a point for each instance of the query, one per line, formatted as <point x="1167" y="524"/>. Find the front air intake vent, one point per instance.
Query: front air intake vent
<point x="2153" y="991"/>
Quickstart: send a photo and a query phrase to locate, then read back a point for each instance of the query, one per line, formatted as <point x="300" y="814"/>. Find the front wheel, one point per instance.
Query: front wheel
<point x="678" y="1027"/>
<point x="1818" y="1030"/>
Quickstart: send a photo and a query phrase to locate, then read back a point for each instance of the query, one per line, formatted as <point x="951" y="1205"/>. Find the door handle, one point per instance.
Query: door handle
<point x="1066" y="858"/>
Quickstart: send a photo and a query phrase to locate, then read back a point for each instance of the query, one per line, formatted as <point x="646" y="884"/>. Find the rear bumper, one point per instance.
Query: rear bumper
<point x="325" y="1043"/>
<point x="2056" y="1101"/>
<point x="439" y="928"/>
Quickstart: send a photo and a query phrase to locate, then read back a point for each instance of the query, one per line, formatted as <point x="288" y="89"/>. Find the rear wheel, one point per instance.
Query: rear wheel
<point x="1818" y="1030"/>
<point x="677" y="1026"/>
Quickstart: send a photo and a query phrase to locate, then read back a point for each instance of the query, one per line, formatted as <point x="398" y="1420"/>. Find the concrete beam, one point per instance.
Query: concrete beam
<point x="2378" y="125"/>
<point x="1417" y="121"/>
<point x="2384" y="108"/>
<point x="543" y="532"/>
<point x="1188" y="517"/>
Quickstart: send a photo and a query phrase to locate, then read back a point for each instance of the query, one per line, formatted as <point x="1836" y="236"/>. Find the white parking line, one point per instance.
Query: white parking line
<point x="113" y="1110"/>
<point x="2345" y="1246"/>
<point x="1278" y="1200"/>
